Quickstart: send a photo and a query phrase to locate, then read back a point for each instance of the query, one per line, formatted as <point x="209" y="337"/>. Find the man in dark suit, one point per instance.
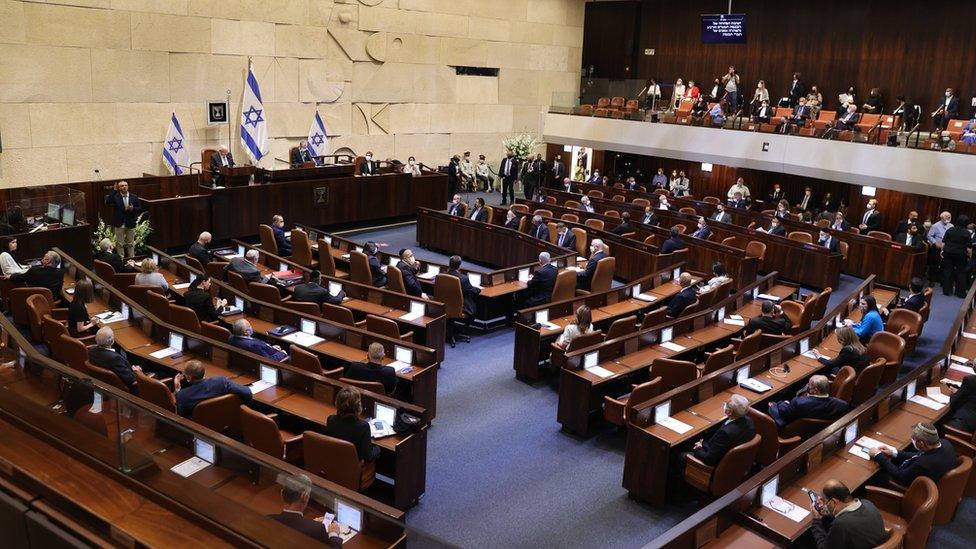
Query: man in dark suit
<point x="948" y="110"/>
<point x="904" y="223"/>
<point x="313" y="291"/>
<point x="300" y="155"/>
<point x="763" y="114"/>
<point x="199" y="298"/>
<point x="737" y="429"/>
<point x="569" y="186"/>
<point x="915" y="299"/>
<point x="721" y="215"/>
<point x="839" y="224"/>
<point x="673" y="243"/>
<point x="650" y="218"/>
<point x="624" y="227"/>
<point x="847" y="121"/>
<point x="376" y="269"/>
<point x="631" y="184"/>
<point x="776" y="194"/>
<point x="278" y="228"/>
<point x="199" y="251"/>
<point x="125" y="213"/>
<point x="295" y="492"/>
<point x="807" y="201"/>
<point x="595" y="178"/>
<point x="508" y="170"/>
<point x="703" y="232"/>
<point x="454" y="175"/>
<point x="512" y="220"/>
<point x="772" y="320"/>
<point x="871" y="220"/>
<point x="106" y="253"/>
<point x="797" y="90"/>
<point x="801" y="113"/>
<point x="738" y="201"/>
<point x="247" y="267"/>
<point x="220" y="159"/>
<point x="829" y="204"/>
<point x="564" y="237"/>
<point x="585" y="205"/>
<point x="373" y="369"/>
<point x="815" y="403"/>
<point x="558" y="171"/>
<point x="584" y="278"/>
<point x="367" y="166"/>
<point x="827" y="240"/>
<point x="910" y="238"/>
<point x="455" y="207"/>
<point x="532" y="172"/>
<point x="775" y="228"/>
<point x="962" y="405"/>
<point x="242" y="338"/>
<point x="46" y="275"/>
<point x="468" y="290"/>
<point x="479" y="213"/>
<point x="682" y="299"/>
<point x="539" y="229"/>
<point x="540" y="285"/>
<point x="105" y="355"/>
<point x="192" y="388"/>
<point x="927" y="456"/>
<point x="408" y="266"/>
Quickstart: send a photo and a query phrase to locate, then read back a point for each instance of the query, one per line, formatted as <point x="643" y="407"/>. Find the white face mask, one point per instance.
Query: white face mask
<point x="369" y="157"/>
<point x="412" y="162"/>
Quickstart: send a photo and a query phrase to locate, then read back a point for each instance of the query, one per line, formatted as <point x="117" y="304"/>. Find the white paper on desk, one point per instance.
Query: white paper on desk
<point x="401" y="367"/>
<point x="734" y="322"/>
<point x="672" y="346"/>
<point x="411" y="316"/>
<point x="551" y="326"/>
<point x="868" y="442"/>
<point x="259" y="386"/>
<point x="432" y="271"/>
<point x="788" y="509"/>
<point x="303" y="339"/>
<point x="181" y="286"/>
<point x="767" y="297"/>
<point x="578" y="258"/>
<point x="736" y="317"/>
<point x="599" y="371"/>
<point x="968" y="335"/>
<point x="574" y="269"/>
<point x="475" y="279"/>
<point x="646" y="297"/>
<point x="114" y="317"/>
<point x="190" y="466"/>
<point x="675" y="425"/>
<point x="958" y="359"/>
<point x="860" y="452"/>
<point x="960" y="368"/>
<point x="935" y="393"/>
<point x="164" y="352"/>
<point x="927" y="402"/>
<point x="810" y="354"/>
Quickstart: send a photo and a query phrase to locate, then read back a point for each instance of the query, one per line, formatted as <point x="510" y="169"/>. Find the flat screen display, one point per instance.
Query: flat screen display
<point x="724" y="28"/>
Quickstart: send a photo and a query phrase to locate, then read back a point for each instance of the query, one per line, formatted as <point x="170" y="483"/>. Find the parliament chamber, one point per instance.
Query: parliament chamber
<point x="526" y="273"/>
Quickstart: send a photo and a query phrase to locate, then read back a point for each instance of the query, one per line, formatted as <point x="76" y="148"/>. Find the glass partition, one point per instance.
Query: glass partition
<point x="63" y="207"/>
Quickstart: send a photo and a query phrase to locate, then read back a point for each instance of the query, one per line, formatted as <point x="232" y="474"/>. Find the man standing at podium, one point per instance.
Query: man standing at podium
<point x="301" y="155"/>
<point x="125" y="212"/>
<point x="220" y="159"/>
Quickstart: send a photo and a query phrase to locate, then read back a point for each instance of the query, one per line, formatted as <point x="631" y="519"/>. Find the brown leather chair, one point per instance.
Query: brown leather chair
<point x="571" y="204"/>
<point x="749" y="345"/>
<point x="372" y="386"/>
<point x="268" y="243"/>
<point x="193" y="263"/>
<point x="951" y="487"/>
<point x="581" y="242"/>
<point x="622" y="327"/>
<point x="801" y="236"/>
<point x="866" y="383"/>
<point x="642" y="202"/>
<point x="359" y="268"/>
<point x="387" y="327"/>
<point x="572" y="218"/>
<point x="842" y="386"/>
<point x="185" y="318"/>
<point x="139" y="293"/>
<point x="771" y="446"/>
<point x="337" y="461"/>
<point x="106" y="376"/>
<point x="221" y="414"/>
<point x="565" y="286"/>
<point x="156" y="392"/>
<point x="712" y="200"/>
<point x="557" y="356"/>
<point x="73" y="352"/>
<point x="340" y="314"/>
<point x="618" y="198"/>
<point x="104" y="271"/>
<point x="18" y="302"/>
<point x="447" y="290"/>
<point x="305" y="360"/>
<point x="718" y="359"/>
<point x="655" y="317"/>
<point x="688" y="210"/>
<point x="307" y="307"/>
<point x="265" y="292"/>
<point x="51" y="331"/>
<point x="794" y="312"/>
<point x="394" y="280"/>
<point x="727" y="474"/>
<point x="546" y="214"/>
<point x="908" y="321"/>
<point x="124" y="280"/>
<point x="756" y="249"/>
<point x="595" y="194"/>
<point x="612" y="214"/>
<point x="673" y="373"/>
<point x="262" y="433"/>
<point x="881" y="235"/>
<point x="520" y="209"/>
<point x="594" y="224"/>
<point x="603" y="275"/>
<point x="651" y="240"/>
<point x="910" y="513"/>
<point x="842" y="247"/>
<point x="891" y="348"/>
<point x="158" y="306"/>
<point x="619" y="410"/>
<point x="327" y="262"/>
<point x="37" y="308"/>
<point x="820" y="305"/>
<point x="217" y="270"/>
<point x="301" y="249"/>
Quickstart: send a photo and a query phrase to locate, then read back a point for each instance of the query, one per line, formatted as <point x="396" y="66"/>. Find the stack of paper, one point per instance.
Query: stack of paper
<point x="190" y="466"/>
<point x="599" y="371"/>
<point x="259" y="386"/>
<point x="303" y="339"/>
<point x="679" y="427"/>
<point x="927" y="402"/>
<point x="734" y="322"/>
<point x="788" y="509"/>
<point x="670" y="345"/>
<point x="181" y="286"/>
<point x="411" y="316"/>
<point x="164" y="352"/>
<point x="646" y="297"/>
<point x="767" y="297"/>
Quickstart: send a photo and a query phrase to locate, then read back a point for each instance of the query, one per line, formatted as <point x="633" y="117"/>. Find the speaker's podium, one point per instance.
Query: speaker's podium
<point x="235" y="176"/>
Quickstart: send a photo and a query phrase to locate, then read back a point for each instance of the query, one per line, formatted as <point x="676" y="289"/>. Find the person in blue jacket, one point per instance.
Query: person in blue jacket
<point x="871" y="321"/>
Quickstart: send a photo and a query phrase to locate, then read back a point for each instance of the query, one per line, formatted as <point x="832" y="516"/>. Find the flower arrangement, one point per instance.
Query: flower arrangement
<point x="104" y="230"/>
<point x="521" y="145"/>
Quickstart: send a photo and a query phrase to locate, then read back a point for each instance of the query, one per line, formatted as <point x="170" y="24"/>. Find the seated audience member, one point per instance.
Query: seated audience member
<point x="105" y="355"/>
<point x="827" y="240"/>
<point x="241" y="338"/>
<point x="815" y="403"/>
<point x="347" y="423"/>
<point x="839" y="224"/>
<point x="455" y="207"/>
<point x="192" y="388"/>
<point x="775" y="227"/>
<point x="482" y="174"/>
<point x="685" y="297"/>
<point x="927" y="456"/>
<point x="313" y="291"/>
<point x="718" y="111"/>
<point x="106" y="253"/>
<point x="295" y="493"/>
<point x="46" y="275"/>
<point x="911" y="238"/>
<point x="584" y="278"/>
<point x="649" y="217"/>
<point x="511" y="220"/>
<point x="408" y="266"/>
<point x="681" y="186"/>
<point x="772" y="321"/>
<point x="801" y="113"/>
<point x="278" y="227"/>
<point x="739" y="187"/>
<point x="8" y="263"/>
<point x="199" y="298"/>
<point x="852" y="353"/>
<point x="721" y="215"/>
<point x="962" y="406"/>
<point x="412" y="167"/>
<point x="624" y="227"/>
<point x="564" y="237"/>
<point x="874" y="103"/>
<point x="631" y="184"/>
<point x="468" y="290"/>
<point x="782" y="210"/>
<point x="738" y="201"/>
<point x="585" y="205"/>
<point x="582" y="325"/>
<point x="699" y="108"/>
<point x="719" y="277"/>
<point x="539" y="228"/>
<point x="815" y="101"/>
<point x="737" y="429"/>
<point x="969" y="132"/>
<point x="79" y="323"/>
<point x="539" y="287"/>
<point x="776" y="194"/>
<point x="569" y="186"/>
<point x="659" y="181"/>
<point x="871" y="322"/>
<point x="367" y="166"/>
<point x="871" y="220"/>
<point x="199" y="249"/>
<point x="247" y="267"/>
<point x="841" y="521"/>
<point x="763" y="114"/>
<point x="948" y="110"/>
<point x="373" y="369"/>
<point x="596" y="178"/>
<point x="806" y="201"/>
<point x="220" y="159"/>
<point x="300" y="155"/>
<point x="479" y="213"/>
<point x="663" y="203"/>
<point x="913" y="302"/>
<point x="703" y="232"/>
<point x="673" y="243"/>
<point x="149" y="275"/>
<point x="846" y="122"/>
<point x="376" y="269"/>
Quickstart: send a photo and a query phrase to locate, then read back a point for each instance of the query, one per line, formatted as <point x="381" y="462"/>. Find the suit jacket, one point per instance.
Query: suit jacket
<point x="955" y="241"/>
<point x="800" y="113"/>
<point x="246" y="269"/>
<point x="558" y="171"/>
<point x="831" y="205"/>
<point x="910" y="464"/>
<point x="739" y="204"/>
<point x="569" y="240"/>
<point x="681" y="300"/>
<point x="379" y="277"/>
<point x="300" y="156"/>
<point x="916" y="240"/>
<point x="455" y="209"/>
<point x="672" y="244"/>
<point x="541" y="231"/>
<point x="623" y="228"/>
<point x="952" y="110"/>
<point x="354" y="430"/>
<point x="702" y="233"/>
<point x="849" y="120"/>
<point x="257" y="347"/>
<point x="480" y="214"/>
<point x="367" y="371"/>
<point x="631" y="186"/>
<point x="191" y="394"/>
<point x="117" y="362"/>
<point x="962" y="405"/>
<point x="833" y="245"/>
<point x="202" y="304"/>
<point x="315" y="293"/>
<point x="797" y="90"/>
<point x="571" y="188"/>
<point x="844" y="225"/>
<point x="769" y="325"/>
<point x="311" y="528"/>
<point x="368" y="167"/>
<point x="811" y="202"/>
<point x="731" y="434"/>
<point x="651" y="219"/>
<point x="468" y="291"/>
<point x="903" y="226"/>
<point x="862" y="528"/>
<point x="595" y="179"/>
<point x="510" y="165"/>
<point x="410" y="282"/>
<point x="284" y="246"/>
<point x="778" y="230"/>
<point x="585" y="278"/>
<point x="776" y="196"/>
<point x="807" y="406"/>
<point x="913" y="302"/>
<point x="513" y="223"/>
<point x="540" y="286"/>
<point x="121" y="216"/>
<point x="216" y="164"/>
<point x="51" y="278"/>
<point x="763" y="114"/>
<point x="846" y="357"/>
<point x="200" y="253"/>
<point x="873" y="221"/>
<point x="115" y="260"/>
<point x="724" y="217"/>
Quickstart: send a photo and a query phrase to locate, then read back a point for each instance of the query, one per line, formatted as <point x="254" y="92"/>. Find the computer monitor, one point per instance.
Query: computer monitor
<point x="68" y="216"/>
<point x="384" y="413"/>
<point x="204" y="450"/>
<point x="53" y="211"/>
<point x="349" y="515"/>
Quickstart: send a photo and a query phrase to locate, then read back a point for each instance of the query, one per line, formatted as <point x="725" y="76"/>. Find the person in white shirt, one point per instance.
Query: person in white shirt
<point x="8" y="263"/>
<point x="412" y="167"/>
<point x="719" y="277"/>
<point x="679" y="93"/>
<point x="846" y="98"/>
<point x="739" y="187"/>
<point x="582" y="325"/>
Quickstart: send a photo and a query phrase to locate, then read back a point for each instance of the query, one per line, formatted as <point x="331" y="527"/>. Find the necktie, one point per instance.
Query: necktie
<point x="125" y="201"/>
<point x="223" y="159"/>
<point x="908" y="240"/>
<point x="561" y="239"/>
<point x="866" y="215"/>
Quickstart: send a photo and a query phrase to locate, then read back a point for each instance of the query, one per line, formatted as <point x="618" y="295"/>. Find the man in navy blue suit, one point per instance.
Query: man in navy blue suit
<point x="540" y="229"/>
<point x="682" y="299"/>
<point x="815" y="403"/>
<point x="295" y="492"/>
<point x="541" y="283"/>
<point x="703" y="231"/>
<point x="564" y="237"/>
<point x="105" y="355"/>
<point x="125" y="213"/>
<point x="927" y="456"/>
<point x="597" y="252"/>
<point x="737" y="429"/>
<point x="278" y="227"/>
<point x="828" y="241"/>
<point x="192" y="388"/>
<point x="673" y="243"/>
<point x="241" y="338"/>
<point x="915" y="299"/>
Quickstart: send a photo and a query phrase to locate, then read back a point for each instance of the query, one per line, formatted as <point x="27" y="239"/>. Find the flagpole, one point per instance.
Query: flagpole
<point x="228" y="123"/>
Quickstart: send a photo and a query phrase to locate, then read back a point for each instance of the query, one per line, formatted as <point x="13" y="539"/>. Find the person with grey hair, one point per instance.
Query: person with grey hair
<point x="199" y="250"/>
<point x="539" y="229"/>
<point x="46" y="275"/>
<point x="281" y="239"/>
<point x="541" y="282"/>
<point x="106" y="254"/>
<point x="928" y="456"/>
<point x="598" y="251"/>
<point x="295" y="493"/>
<point x="813" y="403"/>
<point x="247" y="267"/>
<point x="373" y="369"/>
<point x="737" y="429"/>
<point x="105" y="355"/>
<point x="220" y="159"/>
<point x="683" y="298"/>
<point x="585" y="205"/>
<point x="241" y="338"/>
<point x="125" y="214"/>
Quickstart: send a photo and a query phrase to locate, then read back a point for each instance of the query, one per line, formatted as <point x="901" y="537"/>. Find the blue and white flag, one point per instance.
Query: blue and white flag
<point x="318" y="144"/>
<point x="254" y="123"/>
<point x="175" y="155"/>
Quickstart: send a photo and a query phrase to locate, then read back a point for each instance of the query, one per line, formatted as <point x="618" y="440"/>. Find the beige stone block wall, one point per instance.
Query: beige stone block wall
<point x="90" y="84"/>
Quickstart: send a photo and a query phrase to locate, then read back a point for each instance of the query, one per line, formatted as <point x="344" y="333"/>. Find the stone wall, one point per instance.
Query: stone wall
<point x="90" y="84"/>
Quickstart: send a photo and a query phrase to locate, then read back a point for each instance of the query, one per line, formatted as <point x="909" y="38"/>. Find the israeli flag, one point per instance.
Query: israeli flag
<point x="254" y="123"/>
<point x="175" y="155"/>
<point x="318" y="144"/>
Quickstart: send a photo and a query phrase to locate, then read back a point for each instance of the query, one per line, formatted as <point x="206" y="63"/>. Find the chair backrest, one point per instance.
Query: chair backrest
<point x="603" y="102"/>
<point x="622" y="327"/>
<point x="820" y="305"/>
<point x="104" y="271"/>
<point x="221" y="414"/>
<point x="595" y="193"/>
<point x="264" y="292"/>
<point x="447" y="290"/>
<point x="332" y="459"/>
<point x="18" y="302"/>
<point x="908" y="320"/>
<point x="140" y="293"/>
<point x="794" y="310"/>
<point x="720" y="358"/>
<point x="51" y="330"/>
<point x="268" y="243"/>
<point x="642" y="393"/>
<point x="158" y="306"/>
<point x="572" y="218"/>
<point x="585" y="340"/>
<point x="801" y="236"/>
<point x="783" y="112"/>
<point x="394" y="280"/>
<point x="572" y="204"/>
<point x="603" y="275"/>
<point x="842" y="386"/>
<point x="655" y="317"/>
<point x="891" y="348"/>
<point x="768" y="437"/>
<point x="756" y="249"/>
<point x="734" y="466"/>
<point x="674" y="373"/>
<point x="305" y="360"/>
<point x="581" y="243"/>
<point x="184" y="317"/>
<point x="326" y="261"/>
<point x="688" y="210"/>
<point x="842" y="247"/>
<point x="805" y="427"/>
<point x="543" y="212"/>
<point x="359" y="268"/>
<point x="680" y="228"/>
<point x="105" y="376"/>
<point x="867" y="382"/>
<point x="651" y="240"/>
<point x="565" y="287"/>
<point x="879" y="234"/>
<point x="192" y="262"/>
<point x="918" y="509"/>
<point x="520" y="208"/>
<point x="261" y="433"/>
<point x="156" y="392"/>
<point x="372" y="386"/>
<point x="383" y="326"/>
<point x="642" y="202"/>
<point x="594" y="224"/>
<point x="338" y="313"/>
<point x="301" y="248"/>
<point x="612" y="213"/>
<point x="307" y="307"/>
<point x="749" y="345"/>
<point x="37" y="308"/>
<point x="73" y="352"/>
<point x="951" y="487"/>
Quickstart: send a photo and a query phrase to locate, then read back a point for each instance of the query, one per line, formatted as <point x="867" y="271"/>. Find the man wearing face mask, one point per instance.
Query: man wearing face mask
<point x="412" y="167"/>
<point x="737" y="429"/>
<point x="721" y="215"/>
<point x="775" y="227"/>
<point x="596" y="178"/>
<point x="910" y="238"/>
<point x="927" y="456"/>
<point x="841" y="521"/>
<point x="948" y="110"/>
<point x="703" y="231"/>
<point x="871" y="220"/>
<point x="934" y="236"/>
<point x="483" y="175"/>
<point x="828" y="241"/>
<point x="585" y="277"/>
<point x="367" y="166"/>
<point x="508" y="170"/>
<point x="911" y="220"/>
<point x="408" y="265"/>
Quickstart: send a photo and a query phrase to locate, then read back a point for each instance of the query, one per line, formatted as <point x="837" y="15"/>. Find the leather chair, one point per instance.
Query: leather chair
<point x="771" y="446"/>
<point x="371" y="386"/>
<point x="447" y="290"/>
<point x="718" y="359"/>
<point x="262" y="433"/>
<point x="73" y="352"/>
<point x="394" y="280"/>
<point x="595" y="193"/>
<point x="158" y="306"/>
<point x="891" y="348"/>
<point x="952" y="487"/>
<point x="571" y="204"/>
<point x="557" y="356"/>
<point x="820" y="305"/>
<point x="908" y="321"/>
<point x="265" y="292"/>
<point x="602" y="276"/>
<point x="327" y="262"/>
<point x="748" y="346"/>
<point x="805" y="428"/>
<point x="520" y="209"/>
<point x="581" y="242"/>
<point x="895" y="540"/>
<point x="732" y="241"/>
<point x="641" y="202"/>
<point x="594" y="224"/>
<point x="842" y="386"/>
<point x="51" y="330"/>
<point x="104" y="271"/>
<point x="359" y="268"/>
<point x="572" y="218"/>
<point x="37" y="308"/>
<point x="673" y="373"/>
<point x="336" y="460"/>
<point x="881" y="235"/>
<point x="824" y="119"/>
<point x="546" y="214"/>
<point x="688" y="210"/>
<point x="618" y="198"/>
<point x="124" y="280"/>
<point x="612" y="214"/>
<point x="387" y="327"/>
<point x="185" y="318"/>
<point x="910" y="513"/>
<point x="106" y="376"/>
<point x="619" y="410"/>
<point x="622" y="327"/>
<point x="268" y="243"/>
<point x="307" y="307"/>
<point x="756" y="249"/>
<point x="301" y="249"/>
<point x="139" y="293"/>
<point x="565" y="286"/>
<point x="192" y="262"/>
<point x="655" y="317"/>
<point x="221" y="414"/>
<point x="795" y="312"/>
<point x="801" y="236"/>
<point x="305" y="360"/>
<point x="866" y="383"/>
<point x="842" y="247"/>
<point x="680" y="228"/>
<point x="216" y="270"/>
<point x="156" y="392"/>
<point x="651" y="240"/>
<point x="727" y="474"/>
<point x="18" y="302"/>
<point x="340" y="314"/>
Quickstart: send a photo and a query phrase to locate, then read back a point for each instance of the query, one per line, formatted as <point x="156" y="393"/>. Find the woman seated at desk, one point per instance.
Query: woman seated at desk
<point x="346" y="424"/>
<point x="79" y="323"/>
<point x="582" y="325"/>
<point x="149" y="276"/>
<point x="852" y="353"/>
<point x="871" y="321"/>
<point x="8" y="262"/>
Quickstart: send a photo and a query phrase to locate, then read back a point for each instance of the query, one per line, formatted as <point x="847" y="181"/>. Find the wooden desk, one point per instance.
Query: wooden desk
<point x="76" y="240"/>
